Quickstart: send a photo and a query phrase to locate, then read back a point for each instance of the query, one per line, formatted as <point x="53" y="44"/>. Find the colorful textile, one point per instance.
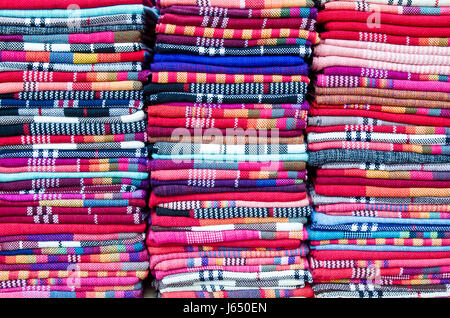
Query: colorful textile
<point x="219" y="200"/>
<point x="378" y="138"/>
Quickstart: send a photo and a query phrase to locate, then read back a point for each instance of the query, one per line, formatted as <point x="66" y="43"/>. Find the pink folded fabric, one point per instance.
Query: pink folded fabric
<point x="321" y="62"/>
<point x="385" y="56"/>
<point x="386" y="47"/>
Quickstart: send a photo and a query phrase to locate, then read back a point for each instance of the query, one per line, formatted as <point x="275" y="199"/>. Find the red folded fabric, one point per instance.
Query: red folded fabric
<point x="336" y="181"/>
<point x="384" y="18"/>
<point x="305" y="292"/>
<point x="371" y="36"/>
<point x="246" y="196"/>
<point x="63" y="4"/>
<point x="180" y="221"/>
<point x="233" y="23"/>
<point x="424" y="32"/>
<point x="372" y="255"/>
<point x="369" y="191"/>
<point x="282" y="243"/>
<point x="396" y="118"/>
<point x="421" y="130"/>
<point x="20" y="229"/>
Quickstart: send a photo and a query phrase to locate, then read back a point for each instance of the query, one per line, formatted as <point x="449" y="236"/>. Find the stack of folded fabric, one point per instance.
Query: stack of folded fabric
<point x="73" y="162"/>
<point x="226" y="118"/>
<point x="379" y="135"/>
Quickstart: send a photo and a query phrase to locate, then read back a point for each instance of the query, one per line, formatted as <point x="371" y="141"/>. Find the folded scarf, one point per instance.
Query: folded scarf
<point x="301" y="51"/>
<point x="322" y="62"/>
<point x="412" y="3"/>
<point x="238" y="34"/>
<point x="320" y="199"/>
<point x="18" y="229"/>
<point x="291" y="12"/>
<point x="68" y="112"/>
<point x="389" y="263"/>
<point x="63" y="4"/>
<point x="246" y="4"/>
<point x="92" y="128"/>
<point x="438" y="98"/>
<point x="394" y="175"/>
<point x="227" y="43"/>
<point x="234" y="23"/>
<point x="368" y="129"/>
<point x="383" y="18"/>
<point x="211" y="69"/>
<point x="387" y="167"/>
<point x="413" y="31"/>
<point x="124" y="153"/>
<point x="208" y="204"/>
<point x="261" y="196"/>
<point x="158" y="166"/>
<point x="363" y="115"/>
<point x="181" y="221"/>
<point x="50" y="104"/>
<point x="229" y="111"/>
<point x="384" y="74"/>
<point x="42" y="211"/>
<point x="78" y="48"/>
<point x="357" y="81"/>
<point x="14" y="87"/>
<point x="220" y="236"/>
<point x="64" y="13"/>
<point x="162" y="148"/>
<point x="246" y="89"/>
<point x="72" y="183"/>
<point x="75" y="95"/>
<point x="74" y="38"/>
<point x="394" y="57"/>
<point x="176" y="190"/>
<point x="318" y="158"/>
<point x="244" y="123"/>
<point x="219" y="183"/>
<point x="75" y="58"/>
<point x="42" y="31"/>
<point x="37" y="76"/>
<point x="243" y="293"/>
<point x="208" y="78"/>
<point x="77" y="294"/>
<point x="370" y="191"/>
<point x="229" y="140"/>
<point x="167" y="97"/>
<point x="205" y="174"/>
<point x="237" y="212"/>
<point x="230" y="61"/>
<point x="102" y="142"/>
<point x="399" y="9"/>
<point x="384" y="38"/>
<point x="75" y="219"/>
<point x="386" y="47"/>
<point x="69" y="67"/>
<point x="117" y="19"/>
<point x="379" y="146"/>
<point x="396" y="138"/>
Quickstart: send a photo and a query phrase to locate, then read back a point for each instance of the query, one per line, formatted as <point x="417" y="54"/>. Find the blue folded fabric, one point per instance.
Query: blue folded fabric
<point x="379" y="227"/>
<point x="325" y="219"/>
<point x="321" y="235"/>
<point x="381" y="248"/>
<point x="204" y="68"/>
<point x="74" y="13"/>
<point x="248" y="61"/>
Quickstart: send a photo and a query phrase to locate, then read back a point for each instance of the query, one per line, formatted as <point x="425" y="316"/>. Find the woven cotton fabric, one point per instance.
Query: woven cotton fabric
<point x="377" y="138"/>
<point x="74" y="160"/>
<point x="231" y="207"/>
